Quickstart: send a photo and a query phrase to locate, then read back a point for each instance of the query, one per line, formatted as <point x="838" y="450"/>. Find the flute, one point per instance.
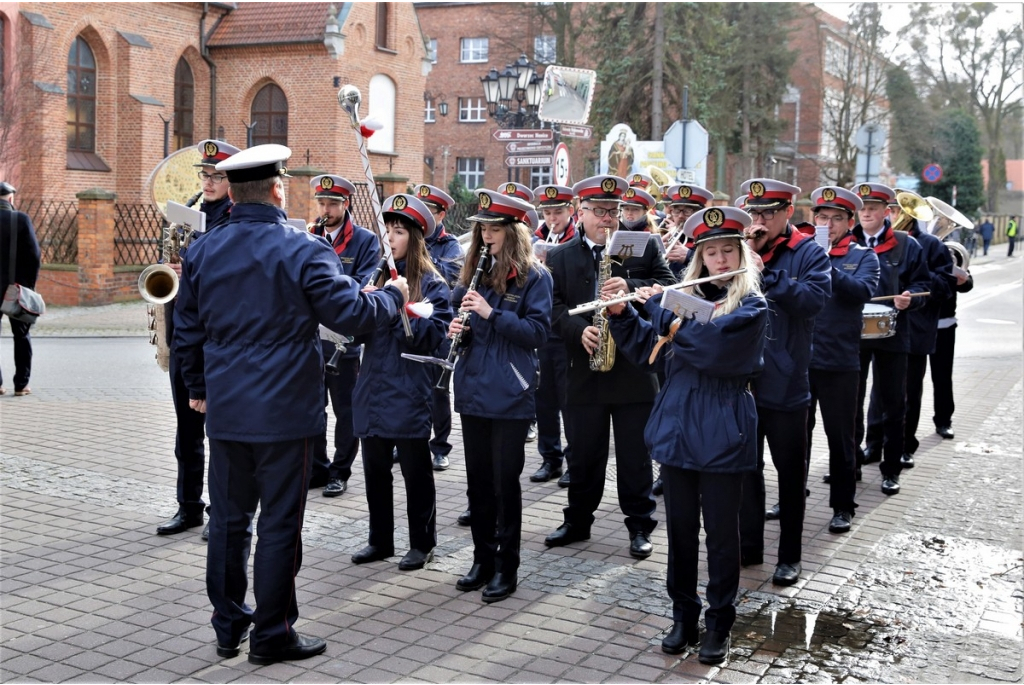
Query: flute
<point x="601" y="304"/>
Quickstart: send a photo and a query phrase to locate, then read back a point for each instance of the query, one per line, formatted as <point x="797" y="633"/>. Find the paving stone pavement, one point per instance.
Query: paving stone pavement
<point x="927" y="587"/>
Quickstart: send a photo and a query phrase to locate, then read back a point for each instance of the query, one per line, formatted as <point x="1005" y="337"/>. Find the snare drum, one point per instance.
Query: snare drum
<point x="879" y="321"/>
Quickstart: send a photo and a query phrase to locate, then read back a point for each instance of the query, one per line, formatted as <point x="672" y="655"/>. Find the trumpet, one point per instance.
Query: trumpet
<point x="602" y="304"/>
<point x="317" y="225"/>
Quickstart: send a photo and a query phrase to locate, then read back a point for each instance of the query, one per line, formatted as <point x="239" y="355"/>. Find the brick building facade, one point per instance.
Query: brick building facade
<point x="211" y="70"/>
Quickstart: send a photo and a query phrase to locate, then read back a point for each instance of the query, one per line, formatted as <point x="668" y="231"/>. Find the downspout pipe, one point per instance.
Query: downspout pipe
<point x="204" y="50"/>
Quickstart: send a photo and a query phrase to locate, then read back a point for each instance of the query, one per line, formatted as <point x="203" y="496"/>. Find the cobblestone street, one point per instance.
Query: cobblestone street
<point x="927" y="587"/>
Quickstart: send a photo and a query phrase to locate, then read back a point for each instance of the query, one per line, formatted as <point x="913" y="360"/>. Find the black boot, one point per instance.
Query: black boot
<point x="715" y="647"/>
<point x="680" y="637"/>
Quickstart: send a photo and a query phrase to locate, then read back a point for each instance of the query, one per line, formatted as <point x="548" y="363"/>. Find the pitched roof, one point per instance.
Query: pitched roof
<point x="262" y="23"/>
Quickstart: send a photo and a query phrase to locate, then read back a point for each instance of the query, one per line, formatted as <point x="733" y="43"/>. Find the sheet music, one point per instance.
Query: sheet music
<point x="687" y="306"/>
<point x="331" y="336"/>
<point x="296" y="223"/>
<point x="541" y="248"/>
<point x="626" y="244"/>
<point x="821" y="237"/>
<point x="186" y="216"/>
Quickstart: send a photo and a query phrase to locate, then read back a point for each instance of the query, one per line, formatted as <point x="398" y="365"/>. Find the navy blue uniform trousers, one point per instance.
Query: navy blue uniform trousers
<point x="275" y="476"/>
<point x="417" y="471"/>
<point x="550" y="401"/>
<point x="889" y="389"/>
<point x="440" y="415"/>
<point x="338" y="389"/>
<point x="836" y="393"/>
<point x="942" y="377"/>
<point x="188" y="445"/>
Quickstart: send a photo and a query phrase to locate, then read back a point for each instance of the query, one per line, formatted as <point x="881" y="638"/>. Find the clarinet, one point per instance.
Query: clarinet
<point x="378" y="273"/>
<point x="446" y="374"/>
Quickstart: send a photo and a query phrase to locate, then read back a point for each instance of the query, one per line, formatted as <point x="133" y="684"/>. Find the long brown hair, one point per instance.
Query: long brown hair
<point x="516" y="251"/>
<point x="417" y="259"/>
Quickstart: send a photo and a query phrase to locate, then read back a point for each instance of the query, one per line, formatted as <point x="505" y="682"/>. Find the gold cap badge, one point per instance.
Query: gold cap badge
<point x="608" y="185"/>
<point x="510" y="189"/>
<point x="400" y="203"/>
<point x="828" y="195"/>
<point x="757" y="189"/>
<point x="424" y="191"/>
<point x="713" y="218"/>
<point x="211" y="149"/>
<point x="326" y="182"/>
<point x="685" y="192"/>
<point x="864" y="190"/>
<point x="485" y="201"/>
<point x="551" y="192"/>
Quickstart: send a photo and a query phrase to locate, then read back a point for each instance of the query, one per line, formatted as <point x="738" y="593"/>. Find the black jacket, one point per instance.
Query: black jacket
<point x="26" y="269"/>
<point x="573" y="270"/>
<point x="924" y="322"/>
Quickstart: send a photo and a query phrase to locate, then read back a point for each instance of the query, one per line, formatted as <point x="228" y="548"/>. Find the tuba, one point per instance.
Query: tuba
<point x="661" y="179"/>
<point x="949" y="219"/>
<point x="603" y="358"/>
<point x="912" y="207"/>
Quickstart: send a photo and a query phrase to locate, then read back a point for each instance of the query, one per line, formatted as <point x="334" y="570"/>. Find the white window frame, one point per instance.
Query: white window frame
<point x="471" y="171"/>
<point x="473" y="50"/>
<point x="545" y="49"/>
<point x="381" y="107"/>
<point x="540" y="176"/>
<point x="432" y="50"/>
<point x="472" y="110"/>
<point x="837" y="56"/>
<point x="429" y="112"/>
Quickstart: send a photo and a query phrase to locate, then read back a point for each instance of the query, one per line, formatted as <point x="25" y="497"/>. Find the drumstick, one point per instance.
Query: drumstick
<point x="884" y="298"/>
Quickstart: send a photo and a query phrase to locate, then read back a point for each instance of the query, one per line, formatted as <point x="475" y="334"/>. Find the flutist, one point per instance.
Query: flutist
<point x="496" y="381"/>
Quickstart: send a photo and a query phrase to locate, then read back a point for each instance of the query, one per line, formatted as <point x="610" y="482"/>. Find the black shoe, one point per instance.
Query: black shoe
<point x="531" y="435"/>
<point x="205" y="535"/>
<point x="441" y="462"/>
<point x="640" y="546"/>
<point x="180" y="522"/>
<point x="907" y="461"/>
<point x="891" y="485"/>
<point x="318" y="481"/>
<point x="786" y="574"/>
<point x="229" y="651"/>
<point x="414" y="559"/>
<point x="680" y="637"/>
<point x="751" y="558"/>
<point x="545" y="473"/>
<point x="772" y="514"/>
<point x="303" y="648"/>
<point x="827" y="478"/>
<point x="335" y="487"/>
<point x="477" y="577"/>
<point x="465" y="518"/>
<point x="500" y="587"/>
<point x="872" y="456"/>
<point x="566" y="534"/>
<point x="563" y="482"/>
<point x="658" y="488"/>
<point x="840" y="522"/>
<point x="714" y="649"/>
<point x="946" y="432"/>
<point x="371" y="553"/>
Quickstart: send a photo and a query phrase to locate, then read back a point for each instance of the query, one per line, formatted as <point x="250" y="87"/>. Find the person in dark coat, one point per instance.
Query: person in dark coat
<point x="391" y="398"/>
<point x="246" y="333"/>
<point x="834" y="371"/>
<point x="26" y="270"/>
<point x="595" y="400"/>
<point x="683" y="199"/>
<point x="797" y="282"/>
<point x="190" y="434"/>
<point x="501" y="325"/>
<point x="987" y="230"/>
<point x="708" y="367"/>
<point x="446" y="254"/>
<point x="941" y="360"/>
<point x="358" y="249"/>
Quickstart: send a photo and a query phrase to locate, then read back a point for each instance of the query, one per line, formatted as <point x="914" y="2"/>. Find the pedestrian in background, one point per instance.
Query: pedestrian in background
<point x="987" y="230"/>
<point x="1011" y="235"/>
<point x="18" y="226"/>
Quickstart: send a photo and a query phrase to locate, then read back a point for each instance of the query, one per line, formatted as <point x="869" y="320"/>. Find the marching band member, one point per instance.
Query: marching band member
<point x="651" y="187"/>
<point x="391" y="400"/>
<point x="834" y="372"/>
<point x="683" y="200"/>
<point x="942" y="359"/>
<point x="634" y="211"/>
<point x="358" y="250"/>
<point x="249" y="303"/>
<point x="517" y="190"/>
<point x="559" y="227"/>
<point x="795" y="277"/>
<point x="495" y="381"/>
<point x="623" y="395"/>
<point x="708" y="370"/>
<point x="446" y="253"/>
<point x="189" y="438"/>
<point x="902" y="271"/>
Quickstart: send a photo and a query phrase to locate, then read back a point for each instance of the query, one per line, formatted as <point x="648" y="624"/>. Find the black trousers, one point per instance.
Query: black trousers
<point x="942" y="377"/>
<point x="550" y="400"/>
<point x="440" y="415"/>
<point x="275" y="476"/>
<point x="889" y="381"/>
<point x="495" y="456"/>
<point x="588" y="429"/>
<point x="189" y="450"/>
<point x="688" y="494"/>
<point x="418" y="473"/>
<point x="22" y="350"/>
<point x="338" y="390"/>
<point x="836" y="393"/>
<point x="786" y="434"/>
<point x="917" y="366"/>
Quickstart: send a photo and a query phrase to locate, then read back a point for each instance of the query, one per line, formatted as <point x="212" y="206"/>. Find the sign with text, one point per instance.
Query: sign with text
<point x="573" y="131"/>
<point x="506" y="134"/>
<point x="523" y="160"/>
<point x="622" y="154"/>
<point x="530" y="147"/>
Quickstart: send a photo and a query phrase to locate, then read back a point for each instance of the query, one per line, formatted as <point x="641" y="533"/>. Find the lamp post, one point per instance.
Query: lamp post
<point x="513" y="97"/>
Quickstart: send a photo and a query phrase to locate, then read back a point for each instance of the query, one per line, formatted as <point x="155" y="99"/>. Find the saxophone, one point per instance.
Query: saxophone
<point x="603" y="358"/>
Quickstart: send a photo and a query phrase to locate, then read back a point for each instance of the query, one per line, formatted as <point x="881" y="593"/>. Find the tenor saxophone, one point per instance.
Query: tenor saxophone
<point x="603" y="358"/>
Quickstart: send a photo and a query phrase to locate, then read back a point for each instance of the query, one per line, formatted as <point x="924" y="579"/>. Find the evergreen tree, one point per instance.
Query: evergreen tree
<point x="959" y="152"/>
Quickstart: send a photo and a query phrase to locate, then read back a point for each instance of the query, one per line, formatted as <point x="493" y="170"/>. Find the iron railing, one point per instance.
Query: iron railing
<point x="56" y="224"/>
<point x="138" y="231"/>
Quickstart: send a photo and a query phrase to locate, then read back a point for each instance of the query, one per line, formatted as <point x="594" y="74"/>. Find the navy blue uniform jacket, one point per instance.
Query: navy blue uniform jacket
<point x="704" y="418"/>
<point x="901" y="267"/>
<point x="838" y="327"/>
<point x="573" y="269"/>
<point x="797" y="282"/>
<point x="392" y="395"/>
<point x="446" y="254"/>
<point x="924" y="322"/>
<point x="358" y="260"/>
<point x="251" y="295"/>
<point x="496" y="377"/>
<point x="26" y="266"/>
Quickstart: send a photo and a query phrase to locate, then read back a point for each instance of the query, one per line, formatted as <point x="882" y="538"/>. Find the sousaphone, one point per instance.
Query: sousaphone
<point x="948" y="218"/>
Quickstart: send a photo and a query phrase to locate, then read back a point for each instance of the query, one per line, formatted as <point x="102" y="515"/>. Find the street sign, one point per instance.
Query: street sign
<point x="869" y="139"/>
<point x="696" y="144"/>
<point x="561" y="167"/>
<point x="932" y="173"/>
<point x="868" y="167"/>
<point x="686" y="175"/>
<point x="505" y="134"/>
<point x="530" y="147"/>
<point x="520" y="160"/>
<point x="573" y="131"/>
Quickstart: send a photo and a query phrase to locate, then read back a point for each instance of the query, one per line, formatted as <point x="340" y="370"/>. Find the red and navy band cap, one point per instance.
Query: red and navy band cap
<point x="495" y="207"/>
<point x="642" y="181"/>
<point x="214" y="151"/>
<point x="434" y="196"/>
<point x="256" y="163"/>
<point x="716" y="222"/>
<point x="874" y="192"/>
<point x="767" y="193"/>
<point x="688" y="195"/>
<point x="516" y="190"/>
<point x="638" y="197"/>
<point x="551" y="195"/>
<point x="411" y="208"/>
<point x="836" y="198"/>
<point x="606" y="188"/>
<point x="330" y="187"/>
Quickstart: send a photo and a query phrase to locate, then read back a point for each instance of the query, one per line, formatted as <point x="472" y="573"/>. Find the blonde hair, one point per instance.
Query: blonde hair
<point x="740" y="286"/>
<point x="516" y="251"/>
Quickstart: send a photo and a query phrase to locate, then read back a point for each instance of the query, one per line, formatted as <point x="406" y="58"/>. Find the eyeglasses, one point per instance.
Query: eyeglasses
<point x="600" y="212"/>
<point x="823" y="220"/>
<point x="766" y="214"/>
<point x="216" y="178"/>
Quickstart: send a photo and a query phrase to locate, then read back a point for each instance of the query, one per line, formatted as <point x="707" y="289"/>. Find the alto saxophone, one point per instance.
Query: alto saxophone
<point x="603" y="358"/>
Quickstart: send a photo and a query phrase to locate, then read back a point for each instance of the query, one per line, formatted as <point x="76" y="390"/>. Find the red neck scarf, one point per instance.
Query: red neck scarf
<point x="884" y="241"/>
<point x="842" y="247"/>
<point x="343" y="236"/>
<point x="567" y="234"/>
<point x="789" y="239"/>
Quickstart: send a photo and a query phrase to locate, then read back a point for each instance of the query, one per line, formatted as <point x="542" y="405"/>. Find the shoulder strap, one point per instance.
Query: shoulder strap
<point x="14" y="248"/>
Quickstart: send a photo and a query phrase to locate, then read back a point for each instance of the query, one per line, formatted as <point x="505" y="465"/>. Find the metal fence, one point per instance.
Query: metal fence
<point x="138" y="231"/>
<point x="56" y="224"/>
